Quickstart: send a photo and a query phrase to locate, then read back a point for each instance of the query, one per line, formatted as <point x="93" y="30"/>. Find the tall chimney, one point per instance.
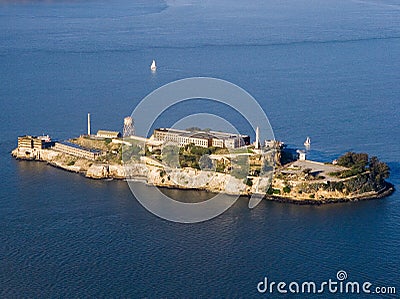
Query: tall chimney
<point x="257" y="145"/>
<point x="88" y="124"/>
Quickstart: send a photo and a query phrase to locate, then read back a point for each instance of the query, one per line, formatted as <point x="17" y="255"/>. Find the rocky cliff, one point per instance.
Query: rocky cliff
<point x="188" y="178"/>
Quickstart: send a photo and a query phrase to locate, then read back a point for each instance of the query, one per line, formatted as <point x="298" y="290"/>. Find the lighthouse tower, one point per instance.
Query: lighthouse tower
<point x="257" y="143"/>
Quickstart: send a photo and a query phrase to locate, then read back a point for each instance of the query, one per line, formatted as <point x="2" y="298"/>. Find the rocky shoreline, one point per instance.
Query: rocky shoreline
<point x="188" y="179"/>
<point x="387" y="191"/>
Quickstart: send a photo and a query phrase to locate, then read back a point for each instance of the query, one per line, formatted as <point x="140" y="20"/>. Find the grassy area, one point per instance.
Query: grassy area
<point x="346" y="173"/>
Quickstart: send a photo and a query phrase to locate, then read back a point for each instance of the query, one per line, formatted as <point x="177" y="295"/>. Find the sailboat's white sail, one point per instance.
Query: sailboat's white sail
<point x="307" y="142"/>
<point x="153" y="66"/>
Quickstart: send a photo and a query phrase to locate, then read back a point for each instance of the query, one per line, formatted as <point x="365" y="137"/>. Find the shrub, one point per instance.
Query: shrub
<point x="248" y="182"/>
<point x="354" y="160"/>
<point x="379" y="171"/>
<point x="276" y="191"/>
<point x="286" y="189"/>
<point x="270" y="190"/>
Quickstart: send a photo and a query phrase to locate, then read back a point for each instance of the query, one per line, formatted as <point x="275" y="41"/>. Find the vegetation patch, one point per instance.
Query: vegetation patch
<point x="369" y="173"/>
<point x="276" y="191"/>
<point x="248" y="182"/>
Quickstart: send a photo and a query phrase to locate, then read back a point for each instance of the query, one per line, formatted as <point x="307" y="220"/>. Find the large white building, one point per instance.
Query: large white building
<point x="201" y="138"/>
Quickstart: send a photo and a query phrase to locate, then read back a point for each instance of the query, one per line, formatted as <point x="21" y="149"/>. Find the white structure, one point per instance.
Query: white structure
<point x="129" y="129"/>
<point x="153" y="66"/>
<point x="108" y="134"/>
<point x="88" y="124"/>
<point x="257" y="143"/>
<point x="302" y="155"/>
<point x="307" y="143"/>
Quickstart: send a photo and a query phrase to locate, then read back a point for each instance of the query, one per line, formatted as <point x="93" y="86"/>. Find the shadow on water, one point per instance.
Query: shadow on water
<point x="188" y="196"/>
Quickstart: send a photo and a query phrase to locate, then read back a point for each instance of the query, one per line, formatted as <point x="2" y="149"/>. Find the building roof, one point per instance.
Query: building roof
<point x="79" y="147"/>
<point x="201" y="134"/>
<point x="111" y="133"/>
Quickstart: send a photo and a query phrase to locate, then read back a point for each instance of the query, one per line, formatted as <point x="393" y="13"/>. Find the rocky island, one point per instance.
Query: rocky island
<point x="213" y="161"/>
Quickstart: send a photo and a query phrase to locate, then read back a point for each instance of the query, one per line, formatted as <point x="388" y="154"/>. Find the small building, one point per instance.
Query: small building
<point x="77" y="151"/>
<point x="302" y="155"/>
<point x="34" y="142"/>
<point x="108" y="134"/>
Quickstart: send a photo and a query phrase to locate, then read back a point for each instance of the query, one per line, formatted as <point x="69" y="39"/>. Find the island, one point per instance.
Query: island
<point x="215" y="162"/>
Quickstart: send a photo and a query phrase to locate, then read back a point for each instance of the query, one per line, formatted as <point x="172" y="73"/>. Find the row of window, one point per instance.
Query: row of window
<point x="182" y="140"/>
<point x="78" y="152"/>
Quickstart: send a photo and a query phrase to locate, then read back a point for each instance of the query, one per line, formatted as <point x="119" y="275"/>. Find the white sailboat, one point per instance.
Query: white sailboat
<point x="307" y="142"/>
<point x="153" y="66"/>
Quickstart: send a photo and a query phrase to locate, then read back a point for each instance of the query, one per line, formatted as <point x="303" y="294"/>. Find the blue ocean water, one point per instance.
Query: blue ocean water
<point x="324" y="69"/>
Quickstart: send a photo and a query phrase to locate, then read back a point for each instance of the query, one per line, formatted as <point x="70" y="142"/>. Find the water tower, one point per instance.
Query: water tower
<point x="129" y="129"/>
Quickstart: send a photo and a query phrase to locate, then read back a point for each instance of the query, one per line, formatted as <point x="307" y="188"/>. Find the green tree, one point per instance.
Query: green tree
<point x="248" y="182"/>
<point x="357" y="161"/>
<point x="379" y="171"/>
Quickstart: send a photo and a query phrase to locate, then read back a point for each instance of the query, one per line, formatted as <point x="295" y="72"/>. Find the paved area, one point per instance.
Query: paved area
<point x="316" y="168"/>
